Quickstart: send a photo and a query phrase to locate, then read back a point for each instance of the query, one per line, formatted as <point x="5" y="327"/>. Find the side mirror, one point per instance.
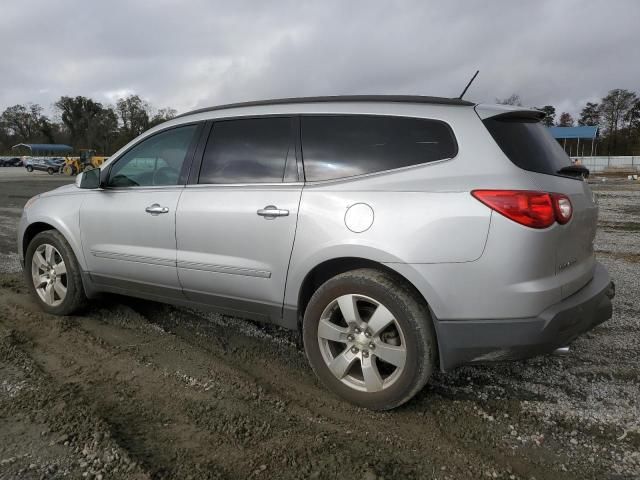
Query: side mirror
<point x="89" y="179"/>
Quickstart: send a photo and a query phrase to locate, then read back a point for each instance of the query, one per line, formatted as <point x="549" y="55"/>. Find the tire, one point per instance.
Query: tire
<point x="74" y="298"/>
<point x="29" y="168"/>
<point x="50" y="171"/>
<point x="388" y="385"/>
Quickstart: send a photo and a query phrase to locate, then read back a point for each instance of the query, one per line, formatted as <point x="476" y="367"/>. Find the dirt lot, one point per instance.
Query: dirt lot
<point x="135" y="389"/>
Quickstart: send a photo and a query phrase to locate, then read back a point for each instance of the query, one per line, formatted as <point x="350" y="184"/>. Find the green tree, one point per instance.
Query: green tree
<point x="23" y="122"/>
<point x="50" y="130"/>
<point x="549" y="115"/>
<point x="104" y="131"/>
<point x="632" y="118"/>
<point x="590" y="115"/>
<point x="80" y="115"/>
<point x="632" y="121"/>
<point x="134" y="116"/>
<point x="614" y="110"/>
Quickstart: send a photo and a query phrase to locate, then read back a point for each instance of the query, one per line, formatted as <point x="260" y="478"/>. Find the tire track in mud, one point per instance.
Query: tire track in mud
<point x="451" y="439"/>
<point x="46" y="431"/>
<point x="184" y="393"/>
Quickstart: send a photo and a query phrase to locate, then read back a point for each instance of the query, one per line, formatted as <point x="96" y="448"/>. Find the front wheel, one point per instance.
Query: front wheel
<point x="29" y="168"/>
<point x="50" y="171"/>
<point x="53" y="274"/>
<point x="369" y="338"/>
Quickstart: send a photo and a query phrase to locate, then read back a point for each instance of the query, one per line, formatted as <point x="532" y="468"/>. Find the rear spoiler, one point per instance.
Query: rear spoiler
<point x="507" y="111"/>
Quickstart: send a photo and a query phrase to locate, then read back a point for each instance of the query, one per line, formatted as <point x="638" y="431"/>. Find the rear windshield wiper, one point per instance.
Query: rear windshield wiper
<point x="574" y="171"/>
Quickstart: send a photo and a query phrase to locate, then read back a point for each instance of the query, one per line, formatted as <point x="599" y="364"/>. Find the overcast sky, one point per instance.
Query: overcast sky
<point x="187" y="54"/>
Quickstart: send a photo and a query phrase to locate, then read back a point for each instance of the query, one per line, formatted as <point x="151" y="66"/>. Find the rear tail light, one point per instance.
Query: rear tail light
<point x="563" y="208"/>
<point x="529" y="208"/>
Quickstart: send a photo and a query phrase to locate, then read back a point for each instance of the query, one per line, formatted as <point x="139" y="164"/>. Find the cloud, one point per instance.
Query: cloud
<point x="187" y="54"/>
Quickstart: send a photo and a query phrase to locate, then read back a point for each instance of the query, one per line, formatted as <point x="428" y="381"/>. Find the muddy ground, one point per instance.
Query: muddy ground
<point x="135" y="389"/>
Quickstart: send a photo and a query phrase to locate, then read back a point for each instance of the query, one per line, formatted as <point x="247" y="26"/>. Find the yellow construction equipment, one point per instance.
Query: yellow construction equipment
<point x="88" y="160"/>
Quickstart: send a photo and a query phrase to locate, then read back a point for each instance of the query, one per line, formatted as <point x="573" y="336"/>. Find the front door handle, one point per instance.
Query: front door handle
<point x="156" y="209"/>
<point x="271" y="211"/>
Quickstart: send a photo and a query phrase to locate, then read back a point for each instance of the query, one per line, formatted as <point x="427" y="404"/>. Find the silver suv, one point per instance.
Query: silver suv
<point x="397" y="234"/>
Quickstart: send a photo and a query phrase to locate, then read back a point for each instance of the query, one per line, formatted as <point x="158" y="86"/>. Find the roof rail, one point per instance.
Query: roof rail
<point x="339" y="98"/>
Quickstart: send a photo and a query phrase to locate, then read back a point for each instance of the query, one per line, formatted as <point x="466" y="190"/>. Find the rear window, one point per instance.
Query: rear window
<point x="339" y="146"/>
<point x="527" y="143"/>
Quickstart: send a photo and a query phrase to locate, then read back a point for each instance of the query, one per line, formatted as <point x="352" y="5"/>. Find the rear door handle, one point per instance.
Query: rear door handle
<point x="271" y="211"/>
<point x="156" y="209"/>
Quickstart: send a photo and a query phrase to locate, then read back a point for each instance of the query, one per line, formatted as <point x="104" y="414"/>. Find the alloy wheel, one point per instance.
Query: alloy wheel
<point x="49" y="274"/>
<point x="362" y="343"/>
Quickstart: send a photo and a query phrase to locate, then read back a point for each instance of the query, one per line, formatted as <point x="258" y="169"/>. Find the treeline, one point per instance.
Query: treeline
<point x="81" y="123"/>
<point x="617" y="114"/>
<point x="84" y="123"/>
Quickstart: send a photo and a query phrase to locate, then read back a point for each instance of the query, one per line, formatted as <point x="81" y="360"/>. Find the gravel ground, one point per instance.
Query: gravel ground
<point x="135" y="389"/>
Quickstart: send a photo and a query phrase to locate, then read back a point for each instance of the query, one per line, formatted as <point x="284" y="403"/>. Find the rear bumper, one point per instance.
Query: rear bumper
<point x="479" y="341"/>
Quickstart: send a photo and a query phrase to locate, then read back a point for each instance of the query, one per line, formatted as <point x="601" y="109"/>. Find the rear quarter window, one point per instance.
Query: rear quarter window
<point x="527" y="143"/>
<point x="340" y="146"/>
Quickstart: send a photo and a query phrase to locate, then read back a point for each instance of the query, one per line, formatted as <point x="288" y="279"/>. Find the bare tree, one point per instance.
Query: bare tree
<point x="566" y="120"/>
<point x="162" y="116"/>
<point x="514" y="99"/>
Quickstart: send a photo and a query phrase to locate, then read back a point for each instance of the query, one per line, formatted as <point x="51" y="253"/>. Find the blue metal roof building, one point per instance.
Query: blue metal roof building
<point x="576" y="133"/>
<point x="44" y="148"/>
<point x="586" y="132"/>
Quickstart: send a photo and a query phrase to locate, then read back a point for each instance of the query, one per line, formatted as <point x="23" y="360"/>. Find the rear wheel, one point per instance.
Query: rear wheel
<point x="50" y="171"/>
<point x="29" y="168"/>
<point x="53" y="274"/>
<point x="369" y="338"/>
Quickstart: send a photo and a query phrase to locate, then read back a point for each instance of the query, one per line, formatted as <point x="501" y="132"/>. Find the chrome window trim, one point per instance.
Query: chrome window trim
<point x="142" y="188"/>
<point x="248" y="185"/>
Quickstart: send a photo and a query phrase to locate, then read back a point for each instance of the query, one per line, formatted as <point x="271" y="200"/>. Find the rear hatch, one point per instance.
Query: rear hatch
<point x="529" y="145"/>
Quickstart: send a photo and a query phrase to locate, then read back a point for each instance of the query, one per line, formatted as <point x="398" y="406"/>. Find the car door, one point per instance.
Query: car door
<point x="128" y="227"/>
<point x="236" y="219"/>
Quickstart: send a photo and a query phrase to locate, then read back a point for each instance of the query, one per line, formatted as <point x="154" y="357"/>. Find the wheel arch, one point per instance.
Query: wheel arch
<point x="43" y="224"/>
<point x="30" y="232"/>
<point x="329" y="268"/>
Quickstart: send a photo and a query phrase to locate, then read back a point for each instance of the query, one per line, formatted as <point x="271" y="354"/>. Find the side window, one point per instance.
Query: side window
<point x="158" y="160"/>
<point x="339" y="146"/>
<point x="251" y="150"/>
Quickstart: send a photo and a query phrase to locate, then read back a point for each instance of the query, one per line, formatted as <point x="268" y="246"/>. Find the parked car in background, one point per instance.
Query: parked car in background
<point x="10" y="161"/>
<point x="398" y="235"/>
<point x="49" y="165"/>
